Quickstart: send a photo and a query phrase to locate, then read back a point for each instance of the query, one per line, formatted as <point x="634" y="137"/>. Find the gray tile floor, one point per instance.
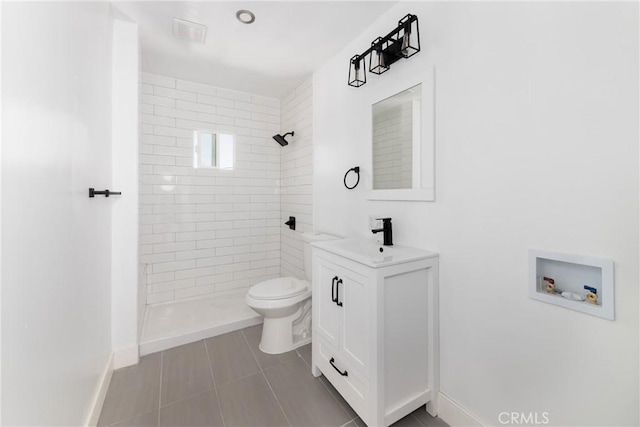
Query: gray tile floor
<point x="228" y="381"/>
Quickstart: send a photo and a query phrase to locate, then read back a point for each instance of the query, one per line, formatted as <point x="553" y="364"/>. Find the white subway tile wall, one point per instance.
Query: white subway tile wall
<point x="296" y="176"/>
<point x="142" y="296"/>
<point x="207" y="231"/>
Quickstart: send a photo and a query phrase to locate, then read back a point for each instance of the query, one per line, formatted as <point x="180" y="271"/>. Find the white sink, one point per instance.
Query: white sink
<point x="372" y="254"/>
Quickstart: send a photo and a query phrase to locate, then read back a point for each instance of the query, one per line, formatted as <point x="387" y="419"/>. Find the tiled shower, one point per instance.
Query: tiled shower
<point x="207" y="235"/>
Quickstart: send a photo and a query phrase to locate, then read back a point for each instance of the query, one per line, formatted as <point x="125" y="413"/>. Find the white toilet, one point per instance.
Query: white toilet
<point x="285" y="303"/>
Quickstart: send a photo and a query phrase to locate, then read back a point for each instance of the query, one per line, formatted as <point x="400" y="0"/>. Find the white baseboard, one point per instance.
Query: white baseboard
<point x="100" y="394"/>
<point x="124" y="357"/>
<point x="457" y="415"/>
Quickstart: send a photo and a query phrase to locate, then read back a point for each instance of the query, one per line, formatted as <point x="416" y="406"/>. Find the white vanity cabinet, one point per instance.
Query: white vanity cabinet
<point x="344" y="313"/>
<point x="375" y="328"/>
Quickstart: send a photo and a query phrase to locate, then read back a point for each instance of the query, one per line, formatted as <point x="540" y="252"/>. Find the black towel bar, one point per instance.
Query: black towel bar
<point x="107" y="193"/>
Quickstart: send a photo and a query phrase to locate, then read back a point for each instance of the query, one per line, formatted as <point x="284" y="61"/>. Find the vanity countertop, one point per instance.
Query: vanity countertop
<point x="373" y="254"/>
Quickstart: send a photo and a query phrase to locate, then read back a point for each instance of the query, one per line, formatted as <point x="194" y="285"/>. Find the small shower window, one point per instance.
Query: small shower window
<point x="212" y="149"/>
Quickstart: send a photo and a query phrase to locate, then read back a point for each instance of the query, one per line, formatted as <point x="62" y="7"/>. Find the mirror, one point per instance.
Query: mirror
<point x="395" y="131"/>
<point x="402" y="141"/>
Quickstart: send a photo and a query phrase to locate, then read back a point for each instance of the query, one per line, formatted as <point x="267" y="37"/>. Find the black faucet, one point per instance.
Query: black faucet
<point x="386" y="230"/>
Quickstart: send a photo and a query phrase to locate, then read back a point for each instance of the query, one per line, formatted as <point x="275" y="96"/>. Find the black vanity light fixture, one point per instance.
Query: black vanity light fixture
<point x="402" y="42"/>
<point x="357" y="73"/>
<point x="280" y="139"/>
<point x="378" y="64"/>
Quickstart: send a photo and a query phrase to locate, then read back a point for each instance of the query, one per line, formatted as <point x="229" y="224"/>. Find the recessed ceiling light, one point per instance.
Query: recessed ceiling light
<point x="245" y="16"/>
<point x="187" y="30"/>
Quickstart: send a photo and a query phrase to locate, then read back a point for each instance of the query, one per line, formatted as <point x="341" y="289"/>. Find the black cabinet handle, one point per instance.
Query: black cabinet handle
<point x="333" y="289"/>
<point x="344" y="374"/>
<point x="338" y="293"/>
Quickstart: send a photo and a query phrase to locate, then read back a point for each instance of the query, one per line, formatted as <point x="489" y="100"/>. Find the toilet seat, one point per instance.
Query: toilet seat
<point x="285" y="305"/>
<point x="280" y="288"/>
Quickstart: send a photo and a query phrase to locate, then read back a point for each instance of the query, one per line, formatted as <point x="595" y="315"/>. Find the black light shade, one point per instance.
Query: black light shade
<point x="378" y="63"/>
<point x="357" y="71"/>
<point x="280" y="138"/>
<point x="409" y="36"/>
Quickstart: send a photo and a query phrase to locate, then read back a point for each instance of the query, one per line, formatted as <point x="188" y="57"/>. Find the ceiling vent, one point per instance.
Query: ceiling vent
<point x="187" y="30"/>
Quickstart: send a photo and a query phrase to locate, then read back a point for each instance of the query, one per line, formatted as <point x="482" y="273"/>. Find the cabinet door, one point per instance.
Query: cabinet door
<point x="328" y="319"/>
<point x="355" y="297"/>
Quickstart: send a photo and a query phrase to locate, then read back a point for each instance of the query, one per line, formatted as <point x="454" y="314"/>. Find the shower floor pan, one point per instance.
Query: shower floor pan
<point x="176" y="323"/>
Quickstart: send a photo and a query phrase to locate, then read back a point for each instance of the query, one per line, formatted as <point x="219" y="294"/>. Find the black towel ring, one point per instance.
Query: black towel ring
<point x="357" y="171"/>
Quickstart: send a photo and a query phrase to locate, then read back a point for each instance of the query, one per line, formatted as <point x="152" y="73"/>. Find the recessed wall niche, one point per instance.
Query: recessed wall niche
<point x="571" y="274"/>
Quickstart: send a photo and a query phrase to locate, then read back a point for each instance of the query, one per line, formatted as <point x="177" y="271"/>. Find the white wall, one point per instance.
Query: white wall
<point x="1" y="139"/>
<point x="124" y="248"/>
<point x="56" y="275"/>
<point x="536" y="147"/>
<point x="296" y="174"/>
<point x="207" y="231"/>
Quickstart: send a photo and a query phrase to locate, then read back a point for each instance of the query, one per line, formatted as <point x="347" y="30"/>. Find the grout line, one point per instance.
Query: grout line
<point x="136" y="414"/>
<point x="349" y="422"/>
<point x="276" y="397"/>
<point x="130" y="418"/>
<point x="187" y="398"/>
<point x="246" y="376"/>
<point x="416" y="418"/>
<point x="215" y="389"/>
<point x="300" y="356"/>
<point x="265" y="378"/>
<point x="246" y="340"/>
<point x="326" y="386"/>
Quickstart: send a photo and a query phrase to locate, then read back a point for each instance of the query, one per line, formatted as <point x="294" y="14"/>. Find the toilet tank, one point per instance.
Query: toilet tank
<point x="307" y="238"/>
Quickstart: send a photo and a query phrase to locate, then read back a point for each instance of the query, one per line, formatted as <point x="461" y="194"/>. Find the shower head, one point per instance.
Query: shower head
<point x="280" y="138"/>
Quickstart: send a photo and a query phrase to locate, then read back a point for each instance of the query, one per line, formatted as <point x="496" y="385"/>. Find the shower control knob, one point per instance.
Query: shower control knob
<point x="291" y="223"/>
